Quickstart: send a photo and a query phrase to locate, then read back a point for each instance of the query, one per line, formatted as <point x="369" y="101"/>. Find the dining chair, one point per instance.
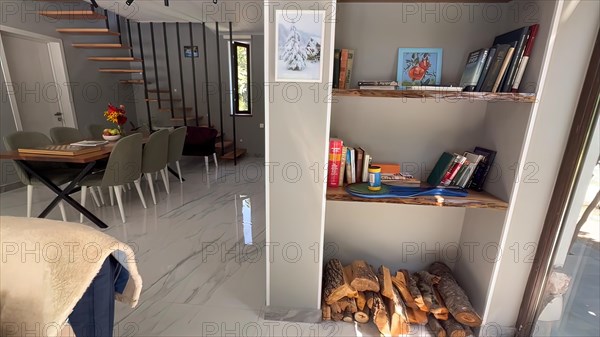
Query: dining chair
<point x="200" y="141"/>
<point x="65" y="135"/>
<point x="57" y="173"/>
<point x="154" y="159"/>
<point x="176" y="142"/>
<point x="124" y="166"/>
<point x="96" y="130"/>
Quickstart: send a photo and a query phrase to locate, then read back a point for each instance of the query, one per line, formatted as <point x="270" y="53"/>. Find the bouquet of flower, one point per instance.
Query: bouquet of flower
<point x="117" y="116"/>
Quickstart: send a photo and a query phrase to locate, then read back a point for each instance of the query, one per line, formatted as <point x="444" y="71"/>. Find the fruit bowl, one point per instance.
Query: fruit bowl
<point x="111" y="138"/>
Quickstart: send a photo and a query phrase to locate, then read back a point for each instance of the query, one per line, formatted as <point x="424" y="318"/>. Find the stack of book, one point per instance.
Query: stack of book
<point x="500" y="68"/>
<point x="468" y="170"/>
<point x="343" y="61"/>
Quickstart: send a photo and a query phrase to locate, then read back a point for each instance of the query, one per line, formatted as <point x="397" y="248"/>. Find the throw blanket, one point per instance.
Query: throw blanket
<point x="46" y="266"/>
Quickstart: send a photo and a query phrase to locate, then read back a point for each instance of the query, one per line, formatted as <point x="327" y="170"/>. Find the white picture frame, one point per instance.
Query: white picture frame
<point x="299" y="42"/>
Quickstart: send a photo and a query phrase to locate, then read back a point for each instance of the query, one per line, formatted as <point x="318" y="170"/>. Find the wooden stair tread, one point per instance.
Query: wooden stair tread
<point x="114" y="59"/>
<point x="120" y="71"/>
<point x="226" y="143"/>
<point x="100" y="46"/>
<point x="230" y="155"/>
<point x="163" y="99"/>
<point x="176" y="109"/>
<point x="131" y="81"/>
<point x="87" y="31"/>
<point x="73" y="15"/>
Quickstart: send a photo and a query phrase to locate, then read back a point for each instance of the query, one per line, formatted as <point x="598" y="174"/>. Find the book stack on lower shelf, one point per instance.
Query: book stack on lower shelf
<point x="468" y="170"/>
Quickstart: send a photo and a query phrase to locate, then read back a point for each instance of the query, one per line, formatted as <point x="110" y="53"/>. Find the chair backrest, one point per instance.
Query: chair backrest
<point x="125" y="162"/>
<point x="65" y="135"/>
<point x="200" y="141"/>
<point x="96" y="130"/>
<point x="176" y="141"/>
<point x="26" y="139"/>
<point x="154" y="157"/>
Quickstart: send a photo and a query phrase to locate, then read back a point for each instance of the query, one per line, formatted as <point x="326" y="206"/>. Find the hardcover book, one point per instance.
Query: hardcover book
<point x="343" y="68"/>
<point x="360" y="153"/>
<point x="483" y="169"/>
<point x="349" y="165"/>
<point x="492" y="74"/>
<point x="335" y="159"/>
<point x="440" y="169"/>
<point x="525" y="59"/>
<point x="473" y="69"/>
<point x="343" y="166"/>
<point x="336" y="68"/>
<point x="378" y="83"/>
<point x="453" y="170"/>
<point x="502" y="74"/>
<point x="486" y="68"/>
<point x="349" y="66"/>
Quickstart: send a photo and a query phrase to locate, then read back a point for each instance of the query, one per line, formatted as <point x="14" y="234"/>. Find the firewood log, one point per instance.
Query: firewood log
<point x="425" y="282"/>
<point x="344" y="303"/>
<point x="416" y="316"/>
<point x="468" y="331"/>
<point x="401" y="284"/>
<point x="399" y="324"/>
<point x="454" y="296"/>
<point x="363" y="315"/>
<point x="453" y="328"/>
<point x="361" y="300"/>
<point x="435" y="327"/>
<point x="385" y="282"/>
<point x="348" y="316"/>
<point x="411" y="282"/>
<point x="380" y="315"/>
<point x="348" y="274"/>
<point x="326" y="312"/>
<point x="441" y="316"/>
<point x="335" y="284"/>
<point x="337" y="316"/>
<point x="335" y="308"/>
<point x="363" y="278"/>
<point x="369" y="298"/>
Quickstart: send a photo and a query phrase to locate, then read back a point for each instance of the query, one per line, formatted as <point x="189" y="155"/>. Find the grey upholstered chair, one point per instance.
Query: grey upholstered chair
<point x="176" y="142"/>
<point x="154" y="158"/>
<point x="65" y="135"/>
<point x="124" y="166"/>
<point x="57" y="173"/>
<point x="96" y="130"/>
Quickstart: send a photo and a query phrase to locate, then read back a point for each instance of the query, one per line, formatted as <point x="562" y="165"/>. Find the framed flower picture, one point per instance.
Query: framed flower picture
<point x="299" y="36"/>
<point x="419" y="66"/>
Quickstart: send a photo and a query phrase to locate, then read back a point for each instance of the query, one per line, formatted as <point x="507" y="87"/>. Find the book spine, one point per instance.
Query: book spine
<point x="349" y="69"/>
<point x="526" y="54"/>
<point x="486" y="68"/>
<point x="349" y="161"/>
<point x="503" y="69"/>
<point x="343" y="67"/>
<point x="360" y="153"/>
<point x="516" y="59"/>
<point x="336" y="68"/>
<point x="335" y="158"/>
<point x="481" y="173"/>
<point x="492" y="74"/>
<point x="353" y="168"/>
<point x="343" y="166"/>
<point x="451" y="173"/>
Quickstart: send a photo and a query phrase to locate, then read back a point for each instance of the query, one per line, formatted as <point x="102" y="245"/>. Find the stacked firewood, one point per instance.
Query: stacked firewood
<point x="431" y="297"/>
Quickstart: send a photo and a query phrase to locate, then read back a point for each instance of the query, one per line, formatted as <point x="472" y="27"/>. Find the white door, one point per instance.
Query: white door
<point x="35" y="89"/>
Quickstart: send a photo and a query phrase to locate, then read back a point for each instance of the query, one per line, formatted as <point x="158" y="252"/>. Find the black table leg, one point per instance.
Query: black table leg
<point x="64" y="194"/>
<point x="175" y="173"/>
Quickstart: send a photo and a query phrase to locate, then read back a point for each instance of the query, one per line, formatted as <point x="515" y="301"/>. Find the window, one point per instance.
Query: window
<point x="241" y="79"/>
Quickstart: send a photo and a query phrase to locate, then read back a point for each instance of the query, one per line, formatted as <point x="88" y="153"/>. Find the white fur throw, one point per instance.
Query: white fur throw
<point x="46" y="266"/>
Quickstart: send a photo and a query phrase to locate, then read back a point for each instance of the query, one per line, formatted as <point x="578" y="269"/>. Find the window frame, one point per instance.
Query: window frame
<point x="234" y="79"/>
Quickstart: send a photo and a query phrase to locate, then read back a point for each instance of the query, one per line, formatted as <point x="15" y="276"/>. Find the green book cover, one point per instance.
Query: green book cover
<point x="435" y="177"/>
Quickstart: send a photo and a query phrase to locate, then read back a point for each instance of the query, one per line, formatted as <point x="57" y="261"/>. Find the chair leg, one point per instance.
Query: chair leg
<point x="83" y="196"/>
<point x="129" y="186"/>
<point x="94" y="196"/>
<point x="179" y="172"/>
<point x="216" y="162"/>
<point x="138" y="187"/>
<point x="101" y="195"/>
<point x="206" y="163"/>
<point x="63" y="213"/>
<point x="110" y="193"/>
<point x="151" y="185"/>
<point x="118" y="191"/>
<point x="29" y="199"/>
<point x="165" y="179"/>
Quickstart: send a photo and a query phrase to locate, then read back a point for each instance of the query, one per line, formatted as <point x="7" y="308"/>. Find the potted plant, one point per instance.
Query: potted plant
<point x="117" y="116"/>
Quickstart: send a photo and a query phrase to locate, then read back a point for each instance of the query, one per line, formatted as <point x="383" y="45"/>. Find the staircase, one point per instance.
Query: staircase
<point x="159" y="101"/>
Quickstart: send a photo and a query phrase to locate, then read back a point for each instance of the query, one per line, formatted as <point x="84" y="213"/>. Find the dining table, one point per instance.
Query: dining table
<point x="88" y="161"/>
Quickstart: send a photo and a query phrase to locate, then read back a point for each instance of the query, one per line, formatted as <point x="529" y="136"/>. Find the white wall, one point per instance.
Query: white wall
<point x="297" y="135"/>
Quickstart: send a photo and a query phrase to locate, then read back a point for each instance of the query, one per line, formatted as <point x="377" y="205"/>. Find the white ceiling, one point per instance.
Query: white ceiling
<point x="246" y="16"/>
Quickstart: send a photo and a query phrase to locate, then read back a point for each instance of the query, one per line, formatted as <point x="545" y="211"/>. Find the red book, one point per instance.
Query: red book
<point x="451" y="173"/>
<point x="533" y="30"/>
<point x="335" y="161"/>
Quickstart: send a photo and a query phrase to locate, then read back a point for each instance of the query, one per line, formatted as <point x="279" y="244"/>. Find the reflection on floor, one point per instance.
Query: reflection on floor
<point x="200" y="252"/>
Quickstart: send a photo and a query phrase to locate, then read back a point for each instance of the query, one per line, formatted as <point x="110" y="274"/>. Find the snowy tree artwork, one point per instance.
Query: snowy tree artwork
<point x="299" y="36"/>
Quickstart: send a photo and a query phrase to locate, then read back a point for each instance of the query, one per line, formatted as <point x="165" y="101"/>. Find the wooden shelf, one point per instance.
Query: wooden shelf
<point x="226" y="144"/>
<point x="87" y="31"/>
<point x="432" y="94"/>
<point x="120" y="71"/>
<point x="114" y="59"/>
<point x="73" y="15"/>
<point x="100" y="46"/>
<point x="473" y="200"/>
